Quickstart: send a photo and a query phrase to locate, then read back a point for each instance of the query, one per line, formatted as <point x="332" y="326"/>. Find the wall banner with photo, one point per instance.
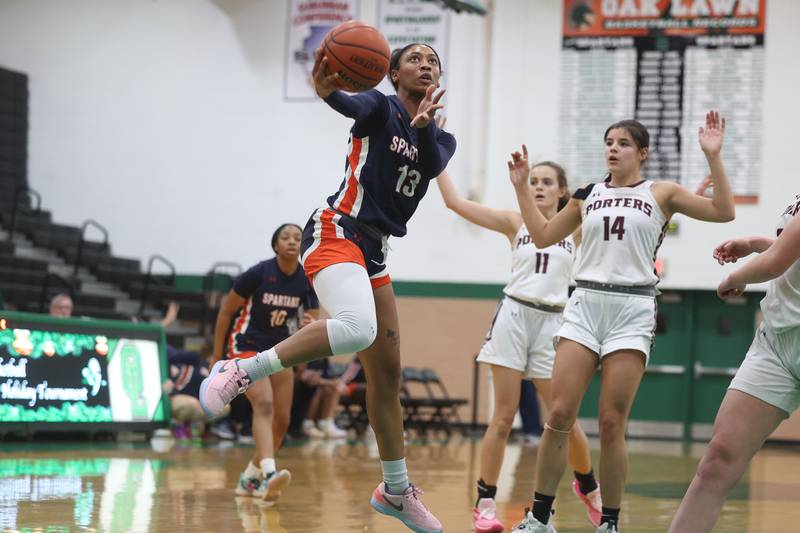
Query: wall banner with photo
<point x="409" y="21"/>
<point x="665" y="63"/>
<point x="309" y="22"/>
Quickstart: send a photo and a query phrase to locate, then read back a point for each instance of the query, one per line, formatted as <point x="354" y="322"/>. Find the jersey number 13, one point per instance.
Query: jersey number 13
<point x="414" y="178"/>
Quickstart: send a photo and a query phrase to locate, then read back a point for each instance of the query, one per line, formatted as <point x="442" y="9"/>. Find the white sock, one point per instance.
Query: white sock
<point x="268" y="466"/>
<point x="395" y="475"/>
<point x="262" y="365"/>
<point x="252" y="470"/>
<point x="308" y="424"/>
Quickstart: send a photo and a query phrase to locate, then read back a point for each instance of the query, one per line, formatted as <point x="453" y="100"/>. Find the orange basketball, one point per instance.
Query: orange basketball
<point x="358" y="53"/>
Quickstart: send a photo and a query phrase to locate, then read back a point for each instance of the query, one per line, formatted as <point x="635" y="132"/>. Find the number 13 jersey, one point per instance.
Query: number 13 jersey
<point x="389" y="162"/>
<point x="622" y="230"/>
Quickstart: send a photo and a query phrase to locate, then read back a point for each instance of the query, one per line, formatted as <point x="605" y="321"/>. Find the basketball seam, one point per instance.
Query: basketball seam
<point x="342" y="64"/>
<point x="332" y="37"/>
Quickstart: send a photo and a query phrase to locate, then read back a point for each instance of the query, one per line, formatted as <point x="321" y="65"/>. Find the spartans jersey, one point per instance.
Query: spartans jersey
<point x="622" y="230"/>
<point x="540" y="276"/>
<point x="389" y="163"/>
<point x="781" y="306"/>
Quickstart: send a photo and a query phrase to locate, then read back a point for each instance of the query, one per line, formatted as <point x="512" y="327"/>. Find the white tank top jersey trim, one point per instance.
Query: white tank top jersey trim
<point x="622" y="230"/>
<point x="781" y="305"/>
<point x="540" y="276"/>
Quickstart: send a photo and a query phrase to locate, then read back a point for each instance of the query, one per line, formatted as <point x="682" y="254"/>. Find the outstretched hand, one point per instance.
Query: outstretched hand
<point x="428" y="107"/>
<point x="711" y="136"/>
<point x="324" y="83"/>
<point x="518" y="167"/>
<point x="728" y="289"/>
<point x="704" y="185"/>
<point x="732" y="250"/>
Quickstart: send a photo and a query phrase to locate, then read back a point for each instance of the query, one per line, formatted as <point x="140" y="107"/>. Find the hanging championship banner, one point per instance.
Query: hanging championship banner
<point x="413" y="21"/>
<point x="309" y="22"/>
<point x="665" y="63"/>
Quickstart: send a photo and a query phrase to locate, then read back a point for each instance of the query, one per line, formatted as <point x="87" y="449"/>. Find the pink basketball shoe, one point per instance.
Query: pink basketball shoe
<point x="484" y="519"/>
<point x="225" y="382"/>
<point x="592" y="501"/>
<point x="407" y="508"/>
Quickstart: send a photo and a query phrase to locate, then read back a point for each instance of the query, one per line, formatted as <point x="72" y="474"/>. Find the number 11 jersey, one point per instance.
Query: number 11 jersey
<point x="622" y="230"/>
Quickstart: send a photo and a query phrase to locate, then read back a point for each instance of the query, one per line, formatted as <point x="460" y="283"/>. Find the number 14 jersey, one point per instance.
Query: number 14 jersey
<point x="622" y="230"/>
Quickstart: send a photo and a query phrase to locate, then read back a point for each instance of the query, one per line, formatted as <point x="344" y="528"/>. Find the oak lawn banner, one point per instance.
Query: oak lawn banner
<point x="665" y="63"/>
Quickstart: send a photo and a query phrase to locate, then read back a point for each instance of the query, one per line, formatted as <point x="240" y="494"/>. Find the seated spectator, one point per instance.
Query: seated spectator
<point x="186" y="372"/>
<point x="61" y="305"/>
<point x="319" y="421"/>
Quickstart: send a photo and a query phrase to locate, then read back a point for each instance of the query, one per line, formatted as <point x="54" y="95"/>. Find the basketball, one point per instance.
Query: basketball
<point x="359" y="53"/>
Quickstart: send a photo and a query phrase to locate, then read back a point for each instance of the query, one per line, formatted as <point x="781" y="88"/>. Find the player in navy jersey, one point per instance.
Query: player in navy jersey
<point x="274" y="299"/>
<point x="610" y="318"/>
<point x="395" y="149"/>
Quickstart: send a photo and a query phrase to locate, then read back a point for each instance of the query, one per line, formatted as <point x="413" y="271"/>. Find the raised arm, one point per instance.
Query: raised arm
<point x="720" y="207"/>
<point x="505" y="222"/>
<point x="776" y="260"/>
<point x="436" y="146"/>
<point x="543" y="232"/>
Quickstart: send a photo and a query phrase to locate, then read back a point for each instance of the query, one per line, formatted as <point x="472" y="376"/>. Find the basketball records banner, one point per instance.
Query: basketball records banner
<point x="413" y="21"/>
<point x="309" y="22"/>
<point x="665" y="63"/>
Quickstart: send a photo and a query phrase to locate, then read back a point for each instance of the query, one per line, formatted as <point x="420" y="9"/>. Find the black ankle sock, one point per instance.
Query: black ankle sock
<point x="610" y="516"/>
<point x="485" y="491"/>
<point x="587" y="482"/>
<point x="542" y="505"/>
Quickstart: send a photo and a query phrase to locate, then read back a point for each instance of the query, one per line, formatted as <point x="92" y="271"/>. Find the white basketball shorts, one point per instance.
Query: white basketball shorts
<point x="606" y="322"/>
<point x="521" y="338"/>
<point x="771" y="369"/>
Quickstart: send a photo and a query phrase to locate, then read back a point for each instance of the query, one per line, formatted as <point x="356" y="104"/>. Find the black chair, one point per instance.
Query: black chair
<point x="445" y="408"/>
<point x="416" y="401"/>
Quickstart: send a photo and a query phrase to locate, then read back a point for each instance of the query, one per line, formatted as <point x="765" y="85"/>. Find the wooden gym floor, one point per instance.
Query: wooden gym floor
<point x="119" y="487"/>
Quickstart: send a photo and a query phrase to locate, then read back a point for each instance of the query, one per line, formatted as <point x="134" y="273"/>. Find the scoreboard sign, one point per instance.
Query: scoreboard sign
<point x="73" y="371"/>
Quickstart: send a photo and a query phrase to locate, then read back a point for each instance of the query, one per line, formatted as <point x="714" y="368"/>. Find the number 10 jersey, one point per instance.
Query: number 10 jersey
<point x="622" y="230"/>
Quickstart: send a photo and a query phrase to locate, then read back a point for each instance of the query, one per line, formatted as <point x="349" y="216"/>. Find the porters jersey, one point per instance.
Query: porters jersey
<point x="781" y="305"/>
<point x="540" y="276"/>
<point x="622" y="230"/>
<point x="274" y="303"/>
<point x="389" y="163"/>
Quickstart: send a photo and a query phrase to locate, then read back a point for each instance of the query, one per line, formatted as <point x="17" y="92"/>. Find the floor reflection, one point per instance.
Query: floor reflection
<point x="133" y="488"/>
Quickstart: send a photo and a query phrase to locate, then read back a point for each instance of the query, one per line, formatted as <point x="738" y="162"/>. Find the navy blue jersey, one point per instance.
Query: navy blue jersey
<point x="272" y="309"/>
<point x="389" y="162"/>
<point x="186" y="370"/>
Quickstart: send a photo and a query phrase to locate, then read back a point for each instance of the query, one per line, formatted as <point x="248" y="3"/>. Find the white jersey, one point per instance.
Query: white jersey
<point x="622" y="230"/>
<point x="540" y="276"/>
<point x="781" y="306"/>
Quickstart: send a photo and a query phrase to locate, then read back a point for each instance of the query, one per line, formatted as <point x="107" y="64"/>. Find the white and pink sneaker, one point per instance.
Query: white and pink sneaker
<point x="407" y="508"/>
<point x="592" y="501"/>
<point x="484" y="519"/>
<point x="225" y="382"/>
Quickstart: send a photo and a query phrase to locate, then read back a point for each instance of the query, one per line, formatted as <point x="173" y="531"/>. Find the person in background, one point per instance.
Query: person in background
<point x="61" y="305"/>
<point x="271" y="301"/>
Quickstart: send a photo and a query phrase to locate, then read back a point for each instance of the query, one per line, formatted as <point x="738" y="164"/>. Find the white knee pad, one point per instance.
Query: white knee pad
<point x="345" y="292"/>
